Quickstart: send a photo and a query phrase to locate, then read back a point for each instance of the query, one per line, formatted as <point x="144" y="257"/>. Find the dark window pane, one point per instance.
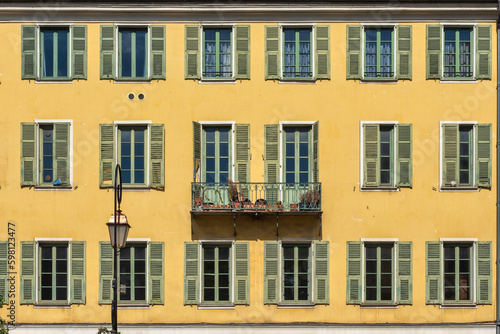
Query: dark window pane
<point x="209" y="267"/>
<point x="61" y="293"/>
<point x="371" y="293"/>
<point x="208" y="294"/>
<point x="125" y="253"/>
<point x="124" y="266"/>
<point x="46" y="266"/>
<point x="371" y="280"/>
<point x="140" y="280"/>
<point x="140" y="266"/>
<point x="210" y="149"/>
<point x="47" y="293"/>
<point x="209" y="280"/>
<point x="223" y="280"/>
<point x="386" y="293"/>
<point x="288" y="295"/>
<point x="449" y="294"/>
<point x="48" y="53"/>
<point x="303" y="294"/>
<point x="224" y="294"/>
<point x="140" y="294"/>
<point x="126" y="52"/>
<point x="62" y="53"/>
<point x="140" y="53"/>
<point x="371" y="252"/>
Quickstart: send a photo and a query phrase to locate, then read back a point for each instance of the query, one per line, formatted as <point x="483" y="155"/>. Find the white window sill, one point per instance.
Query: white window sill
<point x="129" y="81"/>
<point x="54" y="81"/>
<point x="295" y="306"/>
<point x="365" y="188"/>
<point x="454" y="306"/>
<point x="459" y="189"/>
<point x="209" y="81"/>
<point x="297" y="81"/>
<point x="53" y="188"/>
<point x="215" y="307"/>
<point x="42" y="306"/>
<point x="381" y="305"/>
<point x="133" y="306"/>
<point x="455" y="81"/>
<point x="379" y="81"/>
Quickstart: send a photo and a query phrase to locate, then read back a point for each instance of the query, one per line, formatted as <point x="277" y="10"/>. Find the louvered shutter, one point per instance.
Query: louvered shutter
<point x="242" y="52"/>
<point x="29" y="55"/>
<point x="78" y="284"/>
<point x="61" y="156"/>
<point x="483" y="161"/>
<point x="354" y="52"/>
<point x="156" y="273"/>
<point x="404" y="273"/>
<point x="404" y="155"/>
<point x="272" y="52"/>
<point x="191" y="273"/>
<point x="28" y="154"/>
<point x="105" y="272"/>
<point x="241" y="273"/>
<point x="106" y="155"/>
<point x="484" y="272"/>
<point x="433" y="272"/>
<point x="321" y="272"/>
<point x="108" y="56"/>
<point x="315" y="129"/>
<point x="271" y="161"/>
<point x="242" y="153"/>
<point x="371" y="156"/>
<point x="322" y="43"/>
<point x="157" y="149"/>
<point x="4" y="271"/>
<point x="158" y="52"/>
<point x="79" y="51"/>
<point x="271" y="272"/>
<point x="192" y="51"/>
<point x="404" y="54"/>
<point x="354" y="272"/>
<point x="433" y="59"/>
<point x="450" y="154"/>
<point x="27" y="277"/>
<point x="483" y="52"/>
<point x="196" y="151"/>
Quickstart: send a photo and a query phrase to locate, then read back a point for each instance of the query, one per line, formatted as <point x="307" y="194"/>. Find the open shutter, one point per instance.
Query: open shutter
<point x="242" y="269"/>
<point x="404" y="272"/>
<point x="243" y="153"/>
<point x="483" y="149"/>
<point x="450" y="154"/>
<point x="28" y="154"/>
<point x="404" y="52"/>
<point x="105" y="272"/>
<point x="370" y="158"/>
<point x="272" y="52"/>
<point x="354" y="52"/>
<point x="321" y="272"/>
<point x="62" y="140"/>
<point x="196" y="151"/>
<point x="404" y="155"/>
<point x="191" y="273"/>
<point x="354" y="272"/>
<point x="78" y="285"/>
<point x="433" y="272"/>
<point x="271" y="161"/>
<point x="27" y="272"/>
<point x="271" y="274"/>
<point x="433" y="59"/>
<point x="106" y="155"/>
<point x="322" y="44"/>
<point x="4" y="271"/>
<point x="483" y="52"/>
<point x="192" y="52"/>
<point x="156" y="273"/>
<point x="242" y="52"/>
<point x="79" y="51"/>
<point x="157" y="149"/>
<point x="29" y="54"/>
<point x="108" y="52"/>
<point x="483" y="266"/>
<point x="158" y="52"/>
<point x="315" y="129"/>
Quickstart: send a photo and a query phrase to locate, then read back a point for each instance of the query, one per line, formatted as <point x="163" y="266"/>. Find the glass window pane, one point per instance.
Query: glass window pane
<point x="61" y="293"/>
<point x="224" y="134"/>
<point x="126" y="52"/>
<point x="62" y="52"/>
<point x="48" y="52"/>
<point x="140" y="53"/>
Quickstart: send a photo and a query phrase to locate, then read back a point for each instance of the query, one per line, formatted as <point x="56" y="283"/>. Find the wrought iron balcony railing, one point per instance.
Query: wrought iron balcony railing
<point x="258" y="197"/>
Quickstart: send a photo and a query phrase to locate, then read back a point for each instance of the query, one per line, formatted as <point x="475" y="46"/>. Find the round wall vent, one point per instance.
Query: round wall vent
<point x="131" y="96"/>
<point x="141" y="96"/>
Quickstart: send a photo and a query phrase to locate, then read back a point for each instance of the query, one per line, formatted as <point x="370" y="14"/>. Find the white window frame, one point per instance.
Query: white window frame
<point x="312" y="26"/>
<point x="39" y="26"/>
<point x="232" y="78"/>
<point x="394" y="50"/>
<point x="117" y="27"/>
<point x="473" y="50"/>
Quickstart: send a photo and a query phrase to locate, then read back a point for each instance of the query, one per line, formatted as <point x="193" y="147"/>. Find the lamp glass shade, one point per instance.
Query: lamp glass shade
<point x="122" y="228"/>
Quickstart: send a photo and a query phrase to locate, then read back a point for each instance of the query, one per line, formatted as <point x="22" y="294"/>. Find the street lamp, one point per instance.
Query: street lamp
<point x="118" y="231"/>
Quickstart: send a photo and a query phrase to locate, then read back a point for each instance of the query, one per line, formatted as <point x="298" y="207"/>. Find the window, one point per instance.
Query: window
<point x="139" y="149"/>
<point x="386" y="155"/>
<point x="222" y="278"/>
<point x="297" y="52"/>
<point x="53" y="272"/>
<point x="298" y="154"/>
<point x="217" y="154"/>
<point x="45" y="154"/>
<point x="465" y="155"/>
<point x="133" y="52"/>
<point x="217" y="52"/>
<point x="379" y="272"/>
<point x="296" y="273"/>
<point x="140" y="273"/>
<point x="458" y="272"/>
<point x="452" y="51"/>
<point x="379" y="52"/>
<point x="54" y="52"/>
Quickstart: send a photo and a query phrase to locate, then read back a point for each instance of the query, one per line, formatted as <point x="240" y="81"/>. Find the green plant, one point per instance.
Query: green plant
<point x="104" y="330"/>
<point x="233" y="191"/>
<point x="310" y="198"/>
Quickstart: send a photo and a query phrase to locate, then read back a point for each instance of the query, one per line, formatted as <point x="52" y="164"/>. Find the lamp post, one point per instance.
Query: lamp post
<point x="118" y="231"/>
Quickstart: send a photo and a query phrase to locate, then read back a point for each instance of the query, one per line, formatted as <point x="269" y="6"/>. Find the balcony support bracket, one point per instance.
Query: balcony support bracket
<point x="277" y="224"/>
<point x="234" y="223"/>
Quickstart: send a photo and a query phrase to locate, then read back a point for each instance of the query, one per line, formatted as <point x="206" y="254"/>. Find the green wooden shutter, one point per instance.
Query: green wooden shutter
<point x="433" y="59"/>
<point x="483" y="52"/>
<point x="271" y="272"/>
<point x="108" y="56"/>
<point x="158" y="52"/>
<point x="371" y="155"/>
<point x="322" y="43"/>
<point x="315" y="129"/>
<point x="271" y="161"/>
<point x="354" y="52"/>
<point x="404" y="54"/>
<point x="242" y="153"/>
<point x="272" y="52"/>
<point x="404" y="272"/>
<point x="196" y="151"/>
<point x="484" y="278"/>
<point x="450" y="154"/>
<point x="105" y="272"/>
<point x="404" y="156"/>
<point x="106" y="155"/>
<point x="156" y="273"/>
<point x="4" y="271"/>
<point x="79" y="51"/>
<point x="78" y="284"/>
<point x="29" y="55"/>
<point x="192" y="52"/>
<point x="28" y="154"/>
<point x="242" y="52"/>
<point x="27" y="293"/>
<point x="157" y="149"/>
<point x="242" y="273"/>
<point x="483" y="161"/>
<point x="321" y="272"/>
<point x="433" y="272"/>
<point x="191" y="273"/>
<point x="61" y="156"/>
<point x="353" y="294"/>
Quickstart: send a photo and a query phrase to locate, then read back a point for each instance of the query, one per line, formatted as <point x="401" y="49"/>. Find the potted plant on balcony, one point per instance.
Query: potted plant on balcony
<point x="310" y="200"/>
<point x="261" y="204"/>
<point x="234" y="194"/>
<point x="278" y="206"/>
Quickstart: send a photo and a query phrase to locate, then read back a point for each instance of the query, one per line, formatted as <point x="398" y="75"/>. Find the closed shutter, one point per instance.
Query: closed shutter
<point x="61" y="156"/>
<point x="191" y="273"/>
<point x="321" y="272"/>
<point x="105" y="272"/>
<point x="272" y="53"/>
<point x="483" y="149"/>
<point x="108" y="52"/>
<point x="106" y="155"/>
<point x="242" y="273"/>
<point x="450" y="154"/>
<point x="192" y="52"/>
<point x="271" y="161"/>
<point x="404" y="273"/>
<point x="483" y="52"/>
<point x="433" y="58"/>
<point x="4" y="271"/>
<point x="271" y="273"/>
<point x="354" y="281"/>
<point x="158" y="52"/>
<point x="156" y="273"/>
<point x="79" y="51"/>
<point x="322" y="43"/>
<point x="354" y="52"/>
<point x="28" y="154"/>
<point x="27" y="293"/>
<point x="242" y="52"/>
<point x="371" y="156"/>
<point x="404" y="155"/>
<point x="242" y="153"/>
<point x="78" y="284"/>
<point x="433" y="272"/>
<point x="484" y="275"/>
<point x="29" y="53"/>
<point x="157" y="149"/>
<point x="315" y="129"/>
<point x="404" y="52"/>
